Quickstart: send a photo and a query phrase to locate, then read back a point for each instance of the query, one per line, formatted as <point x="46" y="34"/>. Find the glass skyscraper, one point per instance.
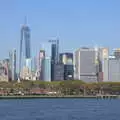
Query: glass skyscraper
<point x="25" y="37"/>
<point x="54" y="56"/>
<point x="46" y="69"/>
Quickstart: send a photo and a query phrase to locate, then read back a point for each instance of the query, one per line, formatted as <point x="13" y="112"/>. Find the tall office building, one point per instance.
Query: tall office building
<point x="12" y="56"/>
<point x="45" y="53"/>
<point x="46" y="69"/>
<point x="114" y="69"/>
<point x="67" y="60"/>
<point x="58" y="72"/>
<point x="34" y="64"/>
<point x="117" y="53"/>
<point x="68" y="72"/>
<point x="28" y="63"/>
<point x="103" y="64"/>
<point x="25" y="37"/>
<point x="54" y="56"/>
<point x="85" y="64"/>
<point x="54" y="51"/>
<point x="40" y="64"/>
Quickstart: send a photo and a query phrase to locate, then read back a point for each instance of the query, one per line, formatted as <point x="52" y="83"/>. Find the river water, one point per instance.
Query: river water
<point x="60" y="109"/>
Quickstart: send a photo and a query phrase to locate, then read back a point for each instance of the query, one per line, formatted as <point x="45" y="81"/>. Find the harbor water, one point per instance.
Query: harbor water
<point x="60" y="109"/>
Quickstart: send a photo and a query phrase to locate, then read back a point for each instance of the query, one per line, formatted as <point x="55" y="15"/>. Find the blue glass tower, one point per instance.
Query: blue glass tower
<point x="54" y="56"/>
<point x="25" y="36"/>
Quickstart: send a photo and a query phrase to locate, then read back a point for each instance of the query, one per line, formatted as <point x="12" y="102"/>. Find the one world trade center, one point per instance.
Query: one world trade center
<point x="25" y="52"/>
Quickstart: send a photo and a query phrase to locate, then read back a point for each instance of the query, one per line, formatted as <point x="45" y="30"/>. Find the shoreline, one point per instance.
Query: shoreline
<point x="58" y="97"/>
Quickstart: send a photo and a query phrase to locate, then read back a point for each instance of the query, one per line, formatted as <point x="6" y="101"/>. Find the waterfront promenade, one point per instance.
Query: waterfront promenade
<point x="64" y="96"/>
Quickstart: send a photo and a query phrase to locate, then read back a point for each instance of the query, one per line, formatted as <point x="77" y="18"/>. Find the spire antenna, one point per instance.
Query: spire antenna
<point x="25" y="20"/>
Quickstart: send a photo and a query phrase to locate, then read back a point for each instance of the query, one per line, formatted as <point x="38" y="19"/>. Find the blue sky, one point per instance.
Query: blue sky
<point x="75" y="22"/>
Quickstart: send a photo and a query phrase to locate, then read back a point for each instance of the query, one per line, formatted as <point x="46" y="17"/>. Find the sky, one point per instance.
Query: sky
<point x="75" y="22"/>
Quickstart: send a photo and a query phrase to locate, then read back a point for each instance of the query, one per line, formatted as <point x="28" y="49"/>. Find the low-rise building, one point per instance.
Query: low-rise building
<point x="4" y="70"/>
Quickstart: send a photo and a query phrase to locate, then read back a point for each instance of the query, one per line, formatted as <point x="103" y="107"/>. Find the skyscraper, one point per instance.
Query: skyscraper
<point x="67" y="60"/>
<point x="117" y="53"/>
<point x="114" y="69"/>
<point x="85" y="64"/>
<point x="54" y="56"/>
<point x="25" y="53"/>
<point x="54" y="51"/>
<point x="46" y="69"/>
<point x="103" y="63"/>
<point x="12" y="56"/>
<point x="40" y="64"/>
<point x="44" y="58"/>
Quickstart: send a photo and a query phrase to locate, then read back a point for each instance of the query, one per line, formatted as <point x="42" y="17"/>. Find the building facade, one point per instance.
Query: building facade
<point x="25" y="74"/>
<point x="28" y="63"/>
<point x="117" y="53"/>
<point x="39" y="68"/>
<point x="54" y="56"/>
<point x="12" y="57"/>
<point x="25" y="54"/>
<point x="4" y="70"/>
<point x="66" y="58"/>
<point x="103" y="63"/>
<point x="114" y="70"/>
<point x="46" y="68"/>
<point x="68" y="72"/>
<point x="58" y="72"/>
<point x="85" y="64"/>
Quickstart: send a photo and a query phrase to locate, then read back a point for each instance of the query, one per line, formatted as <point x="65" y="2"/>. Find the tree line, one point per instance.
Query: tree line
<point x="68" y="87"/>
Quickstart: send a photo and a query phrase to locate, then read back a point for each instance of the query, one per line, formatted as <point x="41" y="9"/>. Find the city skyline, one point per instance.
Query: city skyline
<point x="86" y="23"/>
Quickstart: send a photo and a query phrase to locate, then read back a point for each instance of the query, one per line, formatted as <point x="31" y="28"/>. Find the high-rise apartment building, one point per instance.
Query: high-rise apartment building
<point x="85" y="64"/>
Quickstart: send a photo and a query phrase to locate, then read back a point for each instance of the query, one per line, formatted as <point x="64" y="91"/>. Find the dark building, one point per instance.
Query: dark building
<point x="117" y="53"/>
<point x="54" y="50"/>
<point x="68" y="72"/>
<point x="63" y="72"/>
<point x="67" y="60"/>
<point x="53" y="60"/>
<point x="54" y="57"/>
<point x="58" y="72"/>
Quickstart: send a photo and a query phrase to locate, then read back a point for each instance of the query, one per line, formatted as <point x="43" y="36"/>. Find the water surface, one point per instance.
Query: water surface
<point x="60" y="109"/>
